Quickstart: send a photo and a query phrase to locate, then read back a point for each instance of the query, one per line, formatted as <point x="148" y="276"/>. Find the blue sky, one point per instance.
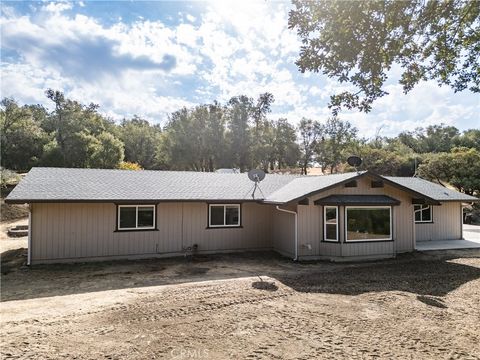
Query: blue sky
<point x="151" y="58"/>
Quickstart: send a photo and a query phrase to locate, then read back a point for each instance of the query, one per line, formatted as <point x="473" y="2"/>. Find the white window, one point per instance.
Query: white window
<point x="423" y="213"/>
<point x="136" y="217"/>
<point x="330" y="223"/>
<point x="368" y="223"/>
<point x="223" y="215"/>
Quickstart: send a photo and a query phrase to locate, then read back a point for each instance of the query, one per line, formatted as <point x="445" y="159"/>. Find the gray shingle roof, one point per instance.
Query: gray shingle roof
<point x="357" y="200"/>
<point x="55" y="184"/>
<point x="61" y="184"/>
<point x="432" y="190"/>
<point x="303" y="186"/>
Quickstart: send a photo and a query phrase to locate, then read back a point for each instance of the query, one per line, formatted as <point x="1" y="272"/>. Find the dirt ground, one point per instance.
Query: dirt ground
<point x="10" y="243"/>
<point x="250" y="306"/>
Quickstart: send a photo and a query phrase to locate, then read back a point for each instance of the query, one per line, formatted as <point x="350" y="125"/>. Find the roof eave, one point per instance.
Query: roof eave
<point x="125" y="201"/>
<point x="461" y="200"/>
<point x="404" y="188"/>
<point x="318" y="191"/>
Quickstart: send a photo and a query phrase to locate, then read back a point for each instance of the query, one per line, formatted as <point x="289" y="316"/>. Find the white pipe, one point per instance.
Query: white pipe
<point x="296" y="229"/>
<point x="29" y="250"/>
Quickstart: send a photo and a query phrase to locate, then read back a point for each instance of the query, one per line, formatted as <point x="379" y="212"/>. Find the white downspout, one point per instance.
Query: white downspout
<point x="29" y="250"/>
<point x="296" y="229"/>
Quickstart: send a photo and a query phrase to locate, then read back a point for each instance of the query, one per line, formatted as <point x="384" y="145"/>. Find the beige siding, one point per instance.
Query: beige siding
<point x="447" y="223"/>
<point x="83" y="231"/>
<point x="283" y="234"/>
<point x="311" y="225"/>
<point x="254" y="234"/>
<point x="87" y="231"/>
<point x="366" y="249"/>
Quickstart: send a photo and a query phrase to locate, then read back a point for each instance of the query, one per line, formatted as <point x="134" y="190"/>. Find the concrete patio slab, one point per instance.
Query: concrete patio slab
<point x="471" y="240"/>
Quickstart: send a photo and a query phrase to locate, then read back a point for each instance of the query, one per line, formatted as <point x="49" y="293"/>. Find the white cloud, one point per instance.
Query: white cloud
<point x="57" y="7"/>
<point x="149" y="68"/>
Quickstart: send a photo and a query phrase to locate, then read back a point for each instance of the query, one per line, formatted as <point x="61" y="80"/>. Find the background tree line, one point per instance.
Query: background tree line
<point x="238" y="134"/>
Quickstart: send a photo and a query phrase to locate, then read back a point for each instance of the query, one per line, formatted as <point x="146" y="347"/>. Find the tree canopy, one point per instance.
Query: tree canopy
<point x="358" y="42"/>
<point x="460" y="168"/>
<point x="239" y="134"/>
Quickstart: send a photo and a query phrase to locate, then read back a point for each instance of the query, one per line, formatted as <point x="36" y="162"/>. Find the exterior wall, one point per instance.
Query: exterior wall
<point x="311" y="226"/>
<point x="283" y="234"/>
<point x="255" y="232"/>
<point x="85" y="231"/>
<point x="446" y="225"/>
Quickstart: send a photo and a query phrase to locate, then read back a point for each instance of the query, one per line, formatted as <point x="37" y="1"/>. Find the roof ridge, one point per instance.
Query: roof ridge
<point x="187" y="171"/>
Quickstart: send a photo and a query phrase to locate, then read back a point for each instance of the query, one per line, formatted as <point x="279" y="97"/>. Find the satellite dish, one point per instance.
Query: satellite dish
<point x="354" y="161"/>
<point x="256" y="175"/>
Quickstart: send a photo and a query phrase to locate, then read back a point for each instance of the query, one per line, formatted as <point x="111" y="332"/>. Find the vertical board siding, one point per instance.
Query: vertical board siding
<point x="446" y="224"/>
<point x="86" y="230"/>
<point x="255" y="232"/>
<point x="283" y="235"/>
<point x="311" y="224"/>
<point x="368" y="248"/>
<point x="309" y="229"/>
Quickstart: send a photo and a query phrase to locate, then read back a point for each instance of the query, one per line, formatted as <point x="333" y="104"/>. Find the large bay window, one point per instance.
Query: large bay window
<point x="330" y="223"/>
<point x="224" y="215"/>
<point x="136" y="217"/>
<point x="368" y="223"/>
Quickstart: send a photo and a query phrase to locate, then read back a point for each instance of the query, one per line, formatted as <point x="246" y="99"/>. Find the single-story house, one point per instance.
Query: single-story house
<point x="93" y="214"/>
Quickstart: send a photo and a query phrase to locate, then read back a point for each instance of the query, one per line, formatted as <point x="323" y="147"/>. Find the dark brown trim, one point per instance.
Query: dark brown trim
<point x="367" y="241"/>
<point x="304" y="201"/>
<point x="134" y="230"/>
<point x="392" y="216"/>
<point x="416" y="201"/>
<point x="155" y="227"/>
<point x="224" y="203"/>
<point x="338" y="203"/>
<point x="376" y="184"/>
<point x="140" y="202"/>
<point x="423" y="222"/>
<point x="223" y="227"/>
<point x="327" y="202"/>
<point x="324" y="225"/>
<point x="351" y="184"/>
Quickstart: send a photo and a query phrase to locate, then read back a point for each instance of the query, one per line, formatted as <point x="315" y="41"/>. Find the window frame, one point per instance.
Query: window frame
<point x="137" y="228"/>
<point x="390" y="238"/>
<point x="325" y="223"/>
<point x="421" y="216"/>
<point x="210" y="226"/>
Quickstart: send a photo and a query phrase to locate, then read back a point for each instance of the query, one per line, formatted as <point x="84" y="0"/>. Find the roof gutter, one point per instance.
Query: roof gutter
<point x="29" y="250"/>
<point x="296" y="229"/>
